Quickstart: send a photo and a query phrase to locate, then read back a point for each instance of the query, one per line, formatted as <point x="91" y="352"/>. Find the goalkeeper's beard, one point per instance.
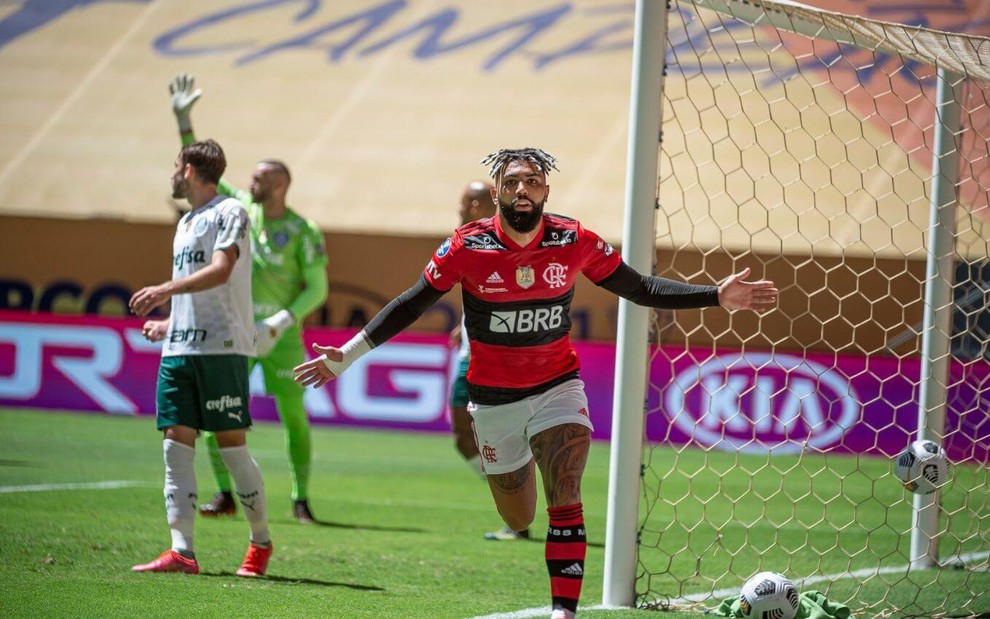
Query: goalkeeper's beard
<point x="521" y="221"/>
<point x="260" y="195"/>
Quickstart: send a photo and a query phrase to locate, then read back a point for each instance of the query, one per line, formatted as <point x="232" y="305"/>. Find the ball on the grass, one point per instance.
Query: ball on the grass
<point x="768" y="595"/>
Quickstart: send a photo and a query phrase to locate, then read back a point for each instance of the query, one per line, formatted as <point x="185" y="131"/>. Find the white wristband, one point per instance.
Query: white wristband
<point x="356" y="347"/>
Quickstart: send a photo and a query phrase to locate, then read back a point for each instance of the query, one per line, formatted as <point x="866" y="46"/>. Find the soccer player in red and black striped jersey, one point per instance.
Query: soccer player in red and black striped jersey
<point x="517" y="272"/>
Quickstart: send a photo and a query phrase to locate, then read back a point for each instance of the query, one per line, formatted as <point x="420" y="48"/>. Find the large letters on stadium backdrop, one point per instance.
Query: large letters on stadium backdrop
<point x="105" y="365"/>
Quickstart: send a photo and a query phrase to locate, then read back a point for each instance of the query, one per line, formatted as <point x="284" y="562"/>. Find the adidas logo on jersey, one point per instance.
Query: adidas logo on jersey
<point x="495" y="278"/>
<point x="573" y="570"/>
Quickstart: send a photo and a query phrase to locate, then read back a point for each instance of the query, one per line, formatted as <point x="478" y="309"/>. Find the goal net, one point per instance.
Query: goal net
<point x="800" y="144"/>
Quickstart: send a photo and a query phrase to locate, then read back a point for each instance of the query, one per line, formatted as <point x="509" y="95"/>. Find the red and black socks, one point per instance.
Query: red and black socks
<point x="567" y="546"/>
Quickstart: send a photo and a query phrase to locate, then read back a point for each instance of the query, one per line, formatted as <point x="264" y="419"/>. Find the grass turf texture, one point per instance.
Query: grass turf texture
<point x="401" y="534"/>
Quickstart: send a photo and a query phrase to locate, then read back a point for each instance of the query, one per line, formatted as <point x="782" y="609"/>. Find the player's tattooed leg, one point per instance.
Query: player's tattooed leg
<point x="561" y="453"/>
<point x="515" y="496"/>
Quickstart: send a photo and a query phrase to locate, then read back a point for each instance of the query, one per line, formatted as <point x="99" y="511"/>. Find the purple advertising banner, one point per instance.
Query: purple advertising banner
<point x="729" y="400"/>
<point x="785" y="403"/>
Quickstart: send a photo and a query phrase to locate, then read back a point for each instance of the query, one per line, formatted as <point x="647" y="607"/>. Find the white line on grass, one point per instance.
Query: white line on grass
<point x="96" y="485"/>
<point x="721" y="593"/>
<point x="863" y="573"/>
<point x="540" y="612"/>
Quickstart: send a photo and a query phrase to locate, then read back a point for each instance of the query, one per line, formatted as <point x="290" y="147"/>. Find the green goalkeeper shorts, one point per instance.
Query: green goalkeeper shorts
<point x="277" y="365"/>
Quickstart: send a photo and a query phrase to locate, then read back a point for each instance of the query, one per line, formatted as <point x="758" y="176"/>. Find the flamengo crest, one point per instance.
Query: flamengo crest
<point x="555" y="275"/>
<point x="525" y="276"/>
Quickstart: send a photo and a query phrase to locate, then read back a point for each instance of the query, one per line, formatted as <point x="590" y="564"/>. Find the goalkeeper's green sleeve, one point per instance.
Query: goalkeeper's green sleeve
<point x="315" y="292"/>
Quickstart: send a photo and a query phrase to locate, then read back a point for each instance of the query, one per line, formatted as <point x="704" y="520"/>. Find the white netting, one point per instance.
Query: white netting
<point x="771" y="439"/>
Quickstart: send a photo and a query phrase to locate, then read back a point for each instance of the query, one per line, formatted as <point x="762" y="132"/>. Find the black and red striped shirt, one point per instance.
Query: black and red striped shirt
<point x="517" y="301"/>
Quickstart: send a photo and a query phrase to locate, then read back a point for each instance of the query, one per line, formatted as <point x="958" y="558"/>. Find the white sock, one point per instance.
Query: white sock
<point x="180" y="493"/>
<point x="474" y="463"/>
<point x="250" y="490"/>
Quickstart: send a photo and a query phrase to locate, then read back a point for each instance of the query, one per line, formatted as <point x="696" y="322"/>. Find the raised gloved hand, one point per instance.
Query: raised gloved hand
<point x="270" y="330"/>
<point x="183" y="98"/>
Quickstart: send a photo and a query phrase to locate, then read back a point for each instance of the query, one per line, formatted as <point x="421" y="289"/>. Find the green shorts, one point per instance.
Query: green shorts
<point x="206" y="392"/>
<point x="277" y="365"/>
<point x="458" y="390"/>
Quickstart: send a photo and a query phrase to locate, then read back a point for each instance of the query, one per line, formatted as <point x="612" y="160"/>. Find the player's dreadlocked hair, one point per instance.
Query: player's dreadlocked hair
<point x="497" y="161"/>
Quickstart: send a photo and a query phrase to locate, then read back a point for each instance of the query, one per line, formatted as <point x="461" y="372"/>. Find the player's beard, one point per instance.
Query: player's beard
<point x="521" y="221"/>
<point x="260" y="194"/>
<point x="179" y="187"/>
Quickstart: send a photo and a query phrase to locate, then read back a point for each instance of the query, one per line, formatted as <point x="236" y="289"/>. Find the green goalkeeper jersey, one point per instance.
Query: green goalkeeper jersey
<point x="288" y="260"/>
<point x="288" y="257"/>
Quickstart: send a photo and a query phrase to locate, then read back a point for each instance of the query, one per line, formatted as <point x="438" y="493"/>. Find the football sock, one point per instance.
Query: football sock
<point x="250" y="490"/>
<point x="180" y="494"/>
<point x="566" y="548"/>
<point x="220" y="472"/>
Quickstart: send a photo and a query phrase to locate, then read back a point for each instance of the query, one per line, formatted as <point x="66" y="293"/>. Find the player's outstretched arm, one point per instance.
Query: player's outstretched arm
<point x="735" y="293"/>
<point x="183" y="98"/>
<point x="317" y="372"/>
<point x="401" y="312"/>
<point x="331" y="363"/>
<point x="659" y="292"/>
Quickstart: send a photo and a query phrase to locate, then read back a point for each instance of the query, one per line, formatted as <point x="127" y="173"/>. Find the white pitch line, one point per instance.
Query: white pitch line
<point x="811" y="580"/>
<point x="539" y="612"/>
<point x="96" y="485"/>
<point x="721" y="593"/>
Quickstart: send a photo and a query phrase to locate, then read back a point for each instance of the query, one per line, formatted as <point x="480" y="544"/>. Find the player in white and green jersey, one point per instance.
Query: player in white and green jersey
<point x="288" y="269"/>
<point x="203" y="375"/>
<point x="217" y="321"/>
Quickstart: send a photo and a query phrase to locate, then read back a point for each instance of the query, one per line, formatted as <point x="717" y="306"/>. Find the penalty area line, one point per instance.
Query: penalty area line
<point x="96" y="485"/>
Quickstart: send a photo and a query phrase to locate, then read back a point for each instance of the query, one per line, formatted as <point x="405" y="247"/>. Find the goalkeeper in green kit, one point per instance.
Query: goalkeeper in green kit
<point x="288" y="280"/>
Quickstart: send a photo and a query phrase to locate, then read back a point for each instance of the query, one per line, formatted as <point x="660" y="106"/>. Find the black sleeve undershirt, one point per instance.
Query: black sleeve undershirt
<point x="660" y="292"/>
<point x="402" y="311"/>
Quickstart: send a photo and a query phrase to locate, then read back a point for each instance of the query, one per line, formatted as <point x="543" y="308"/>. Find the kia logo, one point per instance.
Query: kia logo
<point x="757" y="402"/>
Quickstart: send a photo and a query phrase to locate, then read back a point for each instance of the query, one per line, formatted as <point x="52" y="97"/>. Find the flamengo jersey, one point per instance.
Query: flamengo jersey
<point x="217" y="321"/>
<point x="517" y="301"/>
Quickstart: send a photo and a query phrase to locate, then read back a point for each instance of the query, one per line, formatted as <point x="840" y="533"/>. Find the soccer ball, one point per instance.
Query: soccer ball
<point x="768" y="595"/>
<point x="923" y="467"/>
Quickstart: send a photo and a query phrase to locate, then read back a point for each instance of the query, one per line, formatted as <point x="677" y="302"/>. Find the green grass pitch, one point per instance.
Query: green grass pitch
<point x="402" y="528"/>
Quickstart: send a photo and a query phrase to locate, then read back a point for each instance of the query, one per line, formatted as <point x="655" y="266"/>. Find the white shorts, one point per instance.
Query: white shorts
<point x="503" y="431"/>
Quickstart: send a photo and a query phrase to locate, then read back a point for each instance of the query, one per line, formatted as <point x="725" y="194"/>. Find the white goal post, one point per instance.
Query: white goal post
<point x="957" y="58"/>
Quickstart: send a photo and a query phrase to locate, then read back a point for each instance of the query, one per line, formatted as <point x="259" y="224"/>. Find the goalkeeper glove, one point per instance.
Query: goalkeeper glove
<point x="183" y="98"/>
<point x="270" y="330"/>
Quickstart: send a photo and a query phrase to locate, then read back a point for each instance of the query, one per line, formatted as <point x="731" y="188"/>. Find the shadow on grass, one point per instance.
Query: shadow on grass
<point x="24" y="463"/>
<point x="295" y="581"/>
<point x="356" y="527"/>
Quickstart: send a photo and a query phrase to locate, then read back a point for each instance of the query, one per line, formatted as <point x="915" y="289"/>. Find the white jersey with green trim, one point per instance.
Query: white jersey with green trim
<point x="218" y="321"/>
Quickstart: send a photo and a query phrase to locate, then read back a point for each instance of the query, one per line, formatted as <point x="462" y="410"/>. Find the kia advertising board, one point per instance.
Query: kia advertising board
<point x="751" y="402"/>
